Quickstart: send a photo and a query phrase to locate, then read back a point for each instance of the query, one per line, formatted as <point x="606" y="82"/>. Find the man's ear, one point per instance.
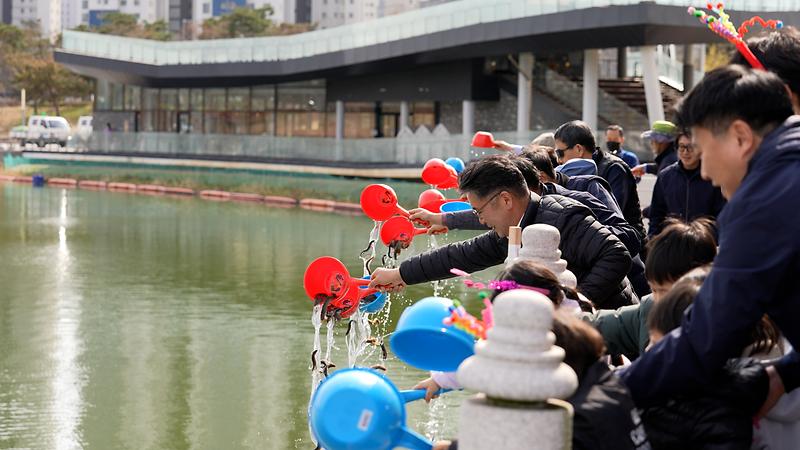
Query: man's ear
<point x="745" y="138"/>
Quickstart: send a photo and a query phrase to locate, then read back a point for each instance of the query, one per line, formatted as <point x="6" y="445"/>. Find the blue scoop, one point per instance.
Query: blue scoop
<point x="422" y="340"/>
<point x="454" y="207"/>
<point x="360" y="409"/>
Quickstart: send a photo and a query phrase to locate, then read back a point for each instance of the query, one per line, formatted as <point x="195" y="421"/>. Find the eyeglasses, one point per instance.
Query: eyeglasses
<point x="479" y="211"/>
<point x="560" y="152"/>
<point x="685" y="148"/>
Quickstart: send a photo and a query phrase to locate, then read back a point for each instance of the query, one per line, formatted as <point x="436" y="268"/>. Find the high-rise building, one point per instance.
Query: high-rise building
<point x="332" y="13"/>
<point x="5" y="11"/>
<point x="392" y="7"/>
<point x="45" y="13"/>
<point x="302" y="11"/>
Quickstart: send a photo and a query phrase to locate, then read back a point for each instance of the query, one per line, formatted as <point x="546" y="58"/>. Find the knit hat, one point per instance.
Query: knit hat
<point x="661" y="131"/>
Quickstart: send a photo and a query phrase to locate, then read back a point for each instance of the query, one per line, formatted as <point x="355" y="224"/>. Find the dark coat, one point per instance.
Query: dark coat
<point x="597" y="258"/>
<point x="720" y="417"/>
<point x="664" y="159"/>
<point x="623" y="186"/>
<point x="605" y="415"/>
<point x="685" y="194"/>
<point x="755" y="272"/>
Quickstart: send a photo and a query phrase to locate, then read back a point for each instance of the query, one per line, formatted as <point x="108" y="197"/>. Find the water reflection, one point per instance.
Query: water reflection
<point x="152" y="323"/>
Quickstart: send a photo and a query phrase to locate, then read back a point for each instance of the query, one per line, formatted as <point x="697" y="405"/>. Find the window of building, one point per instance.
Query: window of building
<point x="323" y="15"/>
<point x="123" y="2"/>
<point x="102" y="97"/>
<point x="351" y="15"/>
<point x="136" y="2"/>
<point x="85" y="4"/>
<point x="206" y="8"/>
<point x="133" y="98"/>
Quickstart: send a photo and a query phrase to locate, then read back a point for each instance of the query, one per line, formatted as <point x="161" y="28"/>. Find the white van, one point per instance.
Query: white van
<point x="43" y="130"/>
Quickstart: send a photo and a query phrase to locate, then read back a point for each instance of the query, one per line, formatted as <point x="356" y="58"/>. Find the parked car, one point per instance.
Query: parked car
<point x="43" y="130"/>
<point x="19" y="132"/>
<point x="84" y="127"/>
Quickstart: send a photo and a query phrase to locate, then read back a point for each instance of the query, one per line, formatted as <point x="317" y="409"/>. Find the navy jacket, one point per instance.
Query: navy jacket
<point x="613" y="220"/>
<point x="685" y="194"/>
<point x="623" y="185"/>
<point x="755" y="272"/>
<point x="664" y="159"/>
<point x="601" y="190"/>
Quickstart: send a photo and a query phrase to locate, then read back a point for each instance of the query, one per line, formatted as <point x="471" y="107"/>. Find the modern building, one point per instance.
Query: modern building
<point x="5" y="11"/>
<point x="46" y="13"/>
<point x="443" y="72"/>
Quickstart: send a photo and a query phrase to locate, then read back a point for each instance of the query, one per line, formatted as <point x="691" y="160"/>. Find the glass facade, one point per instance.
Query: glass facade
<point x="290" y="109"/>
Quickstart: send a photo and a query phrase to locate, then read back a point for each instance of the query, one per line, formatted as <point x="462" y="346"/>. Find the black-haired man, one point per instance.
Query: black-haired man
<point x="742" y="121"/>
<point x="498" y="192"/>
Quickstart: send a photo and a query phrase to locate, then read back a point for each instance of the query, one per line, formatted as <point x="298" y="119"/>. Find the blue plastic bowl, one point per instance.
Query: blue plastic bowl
<point x="454" y="206"/>
<point x="422" y="340"/>
<point x="357" y="409"/>
<point x="455" y="163"/>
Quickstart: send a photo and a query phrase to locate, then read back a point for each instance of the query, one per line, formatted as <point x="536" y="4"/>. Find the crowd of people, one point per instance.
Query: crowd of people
<point x="684" y="335"/>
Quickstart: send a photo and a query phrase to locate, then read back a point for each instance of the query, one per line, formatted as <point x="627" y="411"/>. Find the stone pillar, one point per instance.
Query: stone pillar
<point x="688" y="67"/>
<point x="468" y="117"/>
<point x="520" y="378"/>
<point x="339" y="120"/>
<point x="403" y="116"/>
<point x="524" y="93"/>
<point x="652" y="86"/>
<point x="591" y="78"/>
<point x="622" y="62"/>
<point x="540" y="243"/>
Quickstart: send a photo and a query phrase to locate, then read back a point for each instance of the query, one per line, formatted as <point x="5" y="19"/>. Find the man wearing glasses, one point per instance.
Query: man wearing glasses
<point x="500" y="197"/>
<point x="681" y="192"/>
<point x="575" y="142"/>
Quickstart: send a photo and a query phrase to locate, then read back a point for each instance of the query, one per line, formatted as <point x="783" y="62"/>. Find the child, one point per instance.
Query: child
<point x="678" y="249"/>
<point x="716" y="417"/>
<point x="528" y="275"/>
<point x="604" y="414"/>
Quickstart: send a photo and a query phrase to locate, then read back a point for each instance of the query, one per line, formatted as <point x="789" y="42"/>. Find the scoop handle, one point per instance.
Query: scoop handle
<point x="411" y="395"/>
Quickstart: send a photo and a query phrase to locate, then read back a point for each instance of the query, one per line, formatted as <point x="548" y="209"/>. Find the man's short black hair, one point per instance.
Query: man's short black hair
<point x="617" y="128"/>
<point x="491" y="174"/>
<point x="529" y="172"/>
<point x="574" y="133"/>
<point x="757" y="97"/>
<point x="679" y="248"/>
<point x="778" y="51"/>
<point x="540" y="160"/>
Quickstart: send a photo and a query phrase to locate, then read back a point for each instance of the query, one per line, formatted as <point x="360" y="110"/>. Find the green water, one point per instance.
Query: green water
<point x="135" y="322"/>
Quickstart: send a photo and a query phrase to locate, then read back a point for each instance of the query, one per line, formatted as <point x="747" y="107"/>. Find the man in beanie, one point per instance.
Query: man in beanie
<point x="662" y="141"/>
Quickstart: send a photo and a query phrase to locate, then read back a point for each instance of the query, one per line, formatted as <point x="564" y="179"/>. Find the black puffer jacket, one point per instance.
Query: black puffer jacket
<point x="719" y="417"/>
<point x="605" y="416"/>
<point x="597" y="258"/>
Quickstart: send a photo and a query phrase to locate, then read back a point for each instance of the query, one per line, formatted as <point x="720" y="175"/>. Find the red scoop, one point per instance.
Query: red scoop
<point x="432" y="200"/>
<point x="438" y="173"/>
<point x="327" y="276"/>
<point x="483" y="139"/>
<point x="379" y="202"/>
<point x="399" y="229"/>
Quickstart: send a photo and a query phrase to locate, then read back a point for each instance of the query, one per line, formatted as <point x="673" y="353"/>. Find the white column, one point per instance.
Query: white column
<point x="403" y="115"/>
<point x="591" y="76"/>
<point x="468" y="117"/>
<point x="339" y="120"/>
<point x="524" y="90"/>
<point x="652" y="86"/>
